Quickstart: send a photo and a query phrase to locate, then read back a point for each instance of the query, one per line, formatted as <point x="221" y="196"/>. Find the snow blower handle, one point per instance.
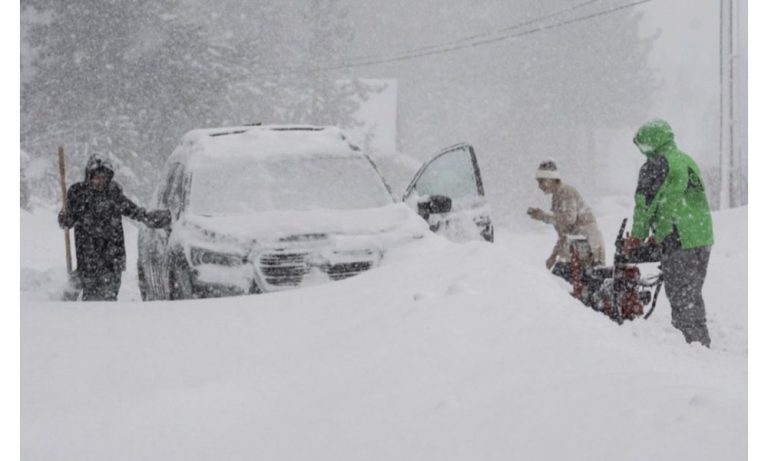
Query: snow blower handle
<point x="620" y="240"/>
<point x="63" y="181"/>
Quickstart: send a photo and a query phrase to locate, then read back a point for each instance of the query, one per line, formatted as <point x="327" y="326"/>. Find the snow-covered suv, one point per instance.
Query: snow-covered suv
<point x="264" y="208"/>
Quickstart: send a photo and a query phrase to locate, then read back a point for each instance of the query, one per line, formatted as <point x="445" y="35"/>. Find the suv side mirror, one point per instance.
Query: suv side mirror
<point x="433" y="204"/>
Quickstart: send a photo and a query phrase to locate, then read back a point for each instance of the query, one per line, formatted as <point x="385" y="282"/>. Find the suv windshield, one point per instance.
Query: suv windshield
<point x="294" y="183"/>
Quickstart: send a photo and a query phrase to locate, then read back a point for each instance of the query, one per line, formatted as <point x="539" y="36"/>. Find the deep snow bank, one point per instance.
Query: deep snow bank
<point x="447" y="351"/>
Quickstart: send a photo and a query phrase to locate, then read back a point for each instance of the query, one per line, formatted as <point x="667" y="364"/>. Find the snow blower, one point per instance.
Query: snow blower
<point x="617" y="291"/>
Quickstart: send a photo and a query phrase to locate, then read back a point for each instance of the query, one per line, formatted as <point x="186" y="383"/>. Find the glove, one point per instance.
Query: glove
<point x="536" y="213"/>
<point x="550" y="261"/>
<point x="65" y="219"/>
<point x="158" y="218"/>
<point x="631" y="244"/>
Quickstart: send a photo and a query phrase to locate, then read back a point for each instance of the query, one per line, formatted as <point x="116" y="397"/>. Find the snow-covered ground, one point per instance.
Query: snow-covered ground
<point x="447" y="351"/>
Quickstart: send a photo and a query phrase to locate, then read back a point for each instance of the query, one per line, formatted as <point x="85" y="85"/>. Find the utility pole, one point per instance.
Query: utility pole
<point x="726" y="103"/>
<point x="733" y="104"/>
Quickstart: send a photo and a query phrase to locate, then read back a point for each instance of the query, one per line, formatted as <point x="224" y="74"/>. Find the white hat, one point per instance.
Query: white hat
<point x="547" y="170"/>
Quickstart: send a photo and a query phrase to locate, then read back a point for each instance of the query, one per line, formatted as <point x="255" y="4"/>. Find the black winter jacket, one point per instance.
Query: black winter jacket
<point x="97" y="215"/>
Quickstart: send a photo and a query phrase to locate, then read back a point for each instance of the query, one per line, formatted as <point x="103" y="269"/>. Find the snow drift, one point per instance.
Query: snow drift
<point x="446" y="351"/>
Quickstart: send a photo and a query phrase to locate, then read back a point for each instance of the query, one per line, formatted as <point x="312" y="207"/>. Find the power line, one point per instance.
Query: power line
<point x="406" y="56"/>
<point x="483" y="34"/>
<point x="411" y="55"/>
<point x="452" y="42"/>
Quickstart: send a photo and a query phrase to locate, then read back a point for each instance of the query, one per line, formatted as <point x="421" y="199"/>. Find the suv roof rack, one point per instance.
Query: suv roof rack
<point x="224" y="133"/>
<point x="298" y="128"/>
<point x="273" y="128"/>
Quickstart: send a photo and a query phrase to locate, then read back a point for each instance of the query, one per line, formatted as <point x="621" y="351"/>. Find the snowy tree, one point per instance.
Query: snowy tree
<point x="292" y="75"/>
<point x="23" y="182"/>
<point x="109" y="76"/>
<point x="128" y="78"/>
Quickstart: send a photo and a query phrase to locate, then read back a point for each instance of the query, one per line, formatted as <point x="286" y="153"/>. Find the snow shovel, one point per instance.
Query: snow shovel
<point x="73" y="287"/>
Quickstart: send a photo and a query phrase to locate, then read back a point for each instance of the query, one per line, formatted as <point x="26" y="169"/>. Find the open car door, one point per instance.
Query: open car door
<point x="448" y="193"/>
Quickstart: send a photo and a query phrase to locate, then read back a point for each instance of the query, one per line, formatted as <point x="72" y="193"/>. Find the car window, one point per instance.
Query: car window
<point x="451" y="174"/>
<point x="167" y="185"/>
<point x="286" y="183"/>
<point x="176" y="191"/>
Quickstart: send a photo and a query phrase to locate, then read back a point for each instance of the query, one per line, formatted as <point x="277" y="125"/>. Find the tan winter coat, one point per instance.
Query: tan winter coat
<point x="571" y="216"/>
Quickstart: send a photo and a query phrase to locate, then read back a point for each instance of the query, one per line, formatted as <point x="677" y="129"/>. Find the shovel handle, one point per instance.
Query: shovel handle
<point x="63" y="181"/>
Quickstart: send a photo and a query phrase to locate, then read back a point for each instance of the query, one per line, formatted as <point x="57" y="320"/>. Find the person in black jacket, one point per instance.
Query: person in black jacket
<point x="95" y="209"/>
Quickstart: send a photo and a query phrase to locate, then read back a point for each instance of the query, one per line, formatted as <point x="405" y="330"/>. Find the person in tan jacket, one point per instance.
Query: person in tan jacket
<point x="570" y="215"/>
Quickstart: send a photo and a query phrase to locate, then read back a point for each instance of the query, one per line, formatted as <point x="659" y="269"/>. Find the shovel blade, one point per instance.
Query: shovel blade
<point x="72" y="288"/>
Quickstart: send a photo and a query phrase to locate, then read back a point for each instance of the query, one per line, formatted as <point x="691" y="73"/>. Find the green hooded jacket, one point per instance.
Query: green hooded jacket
<point x="670" y="193"/>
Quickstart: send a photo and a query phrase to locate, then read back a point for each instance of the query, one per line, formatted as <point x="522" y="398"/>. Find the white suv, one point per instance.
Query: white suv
<point x="265" y="208"/>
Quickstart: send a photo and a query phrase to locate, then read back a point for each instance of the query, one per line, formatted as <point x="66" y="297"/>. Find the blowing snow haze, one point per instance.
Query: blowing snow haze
<point x="361" y="333"/>
<point x="522" y="81"/>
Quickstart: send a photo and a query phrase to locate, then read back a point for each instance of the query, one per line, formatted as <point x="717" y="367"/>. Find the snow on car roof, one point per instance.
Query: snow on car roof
<point x="262" y="141"/>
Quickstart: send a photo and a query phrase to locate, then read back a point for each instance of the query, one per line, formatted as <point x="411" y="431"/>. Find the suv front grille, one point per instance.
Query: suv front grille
<point x="285" y="269"/>
<point x="346" y="270"/>
<point x="281" y="269"/>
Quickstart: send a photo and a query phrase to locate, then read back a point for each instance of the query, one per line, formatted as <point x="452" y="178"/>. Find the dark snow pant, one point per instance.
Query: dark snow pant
<point x="101" y="287"/>
<point x="684" y="274"/>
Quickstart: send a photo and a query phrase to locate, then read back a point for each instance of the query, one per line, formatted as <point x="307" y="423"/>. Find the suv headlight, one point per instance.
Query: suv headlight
<point x="198" y="256"/>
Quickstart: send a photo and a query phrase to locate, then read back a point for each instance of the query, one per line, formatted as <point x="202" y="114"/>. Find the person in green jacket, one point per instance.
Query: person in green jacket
<point x="670" y="203"/>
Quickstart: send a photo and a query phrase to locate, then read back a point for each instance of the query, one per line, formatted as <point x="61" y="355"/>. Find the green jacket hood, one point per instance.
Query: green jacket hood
<point x="653" y="136"/>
